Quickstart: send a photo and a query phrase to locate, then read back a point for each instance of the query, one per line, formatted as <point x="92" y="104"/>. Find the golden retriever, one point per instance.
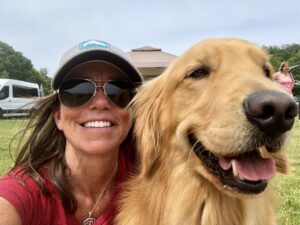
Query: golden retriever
<point x="210" y="134"/>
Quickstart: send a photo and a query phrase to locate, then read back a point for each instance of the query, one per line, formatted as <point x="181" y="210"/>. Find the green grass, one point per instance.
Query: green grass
<point x="8" y="128"/>
<point x="287" y="187"/>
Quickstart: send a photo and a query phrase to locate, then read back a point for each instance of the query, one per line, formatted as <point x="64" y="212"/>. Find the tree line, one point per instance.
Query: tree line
<point x="14" y="65"/>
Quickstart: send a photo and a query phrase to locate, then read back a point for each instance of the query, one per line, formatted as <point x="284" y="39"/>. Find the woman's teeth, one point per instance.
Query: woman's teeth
<point x="97" y="124"/>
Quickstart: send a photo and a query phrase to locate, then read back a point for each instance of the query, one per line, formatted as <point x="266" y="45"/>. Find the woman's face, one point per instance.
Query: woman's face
<point x="98" y="127"/>
<point x="285" y="68"/>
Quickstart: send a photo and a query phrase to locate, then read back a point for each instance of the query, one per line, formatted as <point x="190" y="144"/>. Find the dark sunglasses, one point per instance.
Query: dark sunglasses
<point x="77" y="92"/>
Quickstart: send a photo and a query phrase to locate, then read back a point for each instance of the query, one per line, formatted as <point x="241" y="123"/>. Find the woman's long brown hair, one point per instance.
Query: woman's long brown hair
<point x="43" y="144"/>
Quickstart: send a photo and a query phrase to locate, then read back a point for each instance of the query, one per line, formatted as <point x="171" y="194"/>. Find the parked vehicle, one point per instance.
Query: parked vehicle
<point x="17" y="97"/>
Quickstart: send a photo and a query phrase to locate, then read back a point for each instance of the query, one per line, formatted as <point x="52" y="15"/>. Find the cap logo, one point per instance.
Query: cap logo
<point x="94" y="44"/>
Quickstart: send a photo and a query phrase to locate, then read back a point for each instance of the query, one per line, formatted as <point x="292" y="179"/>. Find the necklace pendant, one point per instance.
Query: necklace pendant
<point x="89" y="221"/>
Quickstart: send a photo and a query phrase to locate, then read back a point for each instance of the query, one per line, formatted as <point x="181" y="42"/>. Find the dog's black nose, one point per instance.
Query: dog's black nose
<point x="273" y="112"/>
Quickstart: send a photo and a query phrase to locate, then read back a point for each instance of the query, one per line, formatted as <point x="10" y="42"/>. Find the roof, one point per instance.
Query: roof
<point x="145" y="48"/>
<point x="149" y="57"/>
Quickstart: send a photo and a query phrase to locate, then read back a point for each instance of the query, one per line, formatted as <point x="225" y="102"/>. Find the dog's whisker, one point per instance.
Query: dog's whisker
<point x="188" y="159"/>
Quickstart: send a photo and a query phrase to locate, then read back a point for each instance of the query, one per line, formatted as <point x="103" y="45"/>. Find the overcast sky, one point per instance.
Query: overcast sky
<point x="44" y="29"/>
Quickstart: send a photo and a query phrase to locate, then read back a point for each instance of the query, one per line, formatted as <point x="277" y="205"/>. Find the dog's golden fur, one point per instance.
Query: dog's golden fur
<point x="200" y="93"/>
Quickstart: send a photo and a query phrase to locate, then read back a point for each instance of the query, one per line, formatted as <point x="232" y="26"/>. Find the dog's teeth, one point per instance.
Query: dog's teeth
<point x="234" y="169"/>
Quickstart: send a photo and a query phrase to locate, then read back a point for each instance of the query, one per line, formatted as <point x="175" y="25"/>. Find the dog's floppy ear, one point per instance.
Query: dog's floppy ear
<point x="147" y="112"/>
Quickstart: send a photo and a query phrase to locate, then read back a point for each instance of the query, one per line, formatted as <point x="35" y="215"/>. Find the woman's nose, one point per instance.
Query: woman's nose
<point x="100" y="99"/>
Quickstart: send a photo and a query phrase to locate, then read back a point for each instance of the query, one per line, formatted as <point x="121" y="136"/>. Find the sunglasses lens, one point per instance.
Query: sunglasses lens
<point x="119" y="92"/>
<point x="76" y="92"/>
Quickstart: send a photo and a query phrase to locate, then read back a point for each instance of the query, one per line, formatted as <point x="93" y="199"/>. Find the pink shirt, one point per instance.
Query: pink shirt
<point x="36" y="208"/>
<point x="285" y="81"/>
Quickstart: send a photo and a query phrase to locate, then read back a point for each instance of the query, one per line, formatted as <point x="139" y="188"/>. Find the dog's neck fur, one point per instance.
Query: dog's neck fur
<point x="175" y="204"/>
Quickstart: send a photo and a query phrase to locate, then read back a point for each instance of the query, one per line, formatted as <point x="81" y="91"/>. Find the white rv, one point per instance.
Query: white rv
<point x="17" y="97"/>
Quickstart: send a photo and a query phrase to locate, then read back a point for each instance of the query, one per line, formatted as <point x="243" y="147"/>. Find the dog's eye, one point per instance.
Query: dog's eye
<point x="200" y="73"/>
<point x="267" y="71"/>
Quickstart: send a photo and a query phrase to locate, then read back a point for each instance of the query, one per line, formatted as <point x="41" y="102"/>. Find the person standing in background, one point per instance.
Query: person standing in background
<point x="285" y="78"/>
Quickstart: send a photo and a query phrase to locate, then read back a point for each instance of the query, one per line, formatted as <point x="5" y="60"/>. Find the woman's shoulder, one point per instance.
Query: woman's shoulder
<point x="278" y="73"/>
<point x="19" y="188"/>
<point x="25" y="195"/>
<point x="20" y="178"/>
<point x="17" y="178"/>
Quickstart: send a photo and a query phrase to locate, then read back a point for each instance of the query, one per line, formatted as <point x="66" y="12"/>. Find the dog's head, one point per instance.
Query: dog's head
<point x="217" y="109"/>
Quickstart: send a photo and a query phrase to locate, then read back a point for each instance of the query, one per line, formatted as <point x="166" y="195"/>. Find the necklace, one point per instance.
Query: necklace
<point x="90" y="219"/>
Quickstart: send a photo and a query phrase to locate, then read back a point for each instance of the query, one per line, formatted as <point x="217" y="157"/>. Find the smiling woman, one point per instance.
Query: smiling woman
<point x="80" y="150"/>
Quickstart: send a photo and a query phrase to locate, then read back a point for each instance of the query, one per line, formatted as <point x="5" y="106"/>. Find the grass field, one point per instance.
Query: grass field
<point x="287" y="187"/>
<point x="8" y="128"/>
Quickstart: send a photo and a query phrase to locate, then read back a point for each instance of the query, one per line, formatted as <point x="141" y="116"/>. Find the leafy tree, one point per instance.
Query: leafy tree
<point x="13" y="65"/>
<point x="45" y="80"/>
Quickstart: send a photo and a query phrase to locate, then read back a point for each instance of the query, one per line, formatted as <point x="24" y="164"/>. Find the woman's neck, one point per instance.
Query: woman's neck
<point x="285" y="72"/>
<point x="88" y="174"/>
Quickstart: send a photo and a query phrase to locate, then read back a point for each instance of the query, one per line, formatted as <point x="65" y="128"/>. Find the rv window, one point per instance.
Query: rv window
<point x="4" y="92"/>
<point x="33" y="92"/>
<point x="24" y="92"/>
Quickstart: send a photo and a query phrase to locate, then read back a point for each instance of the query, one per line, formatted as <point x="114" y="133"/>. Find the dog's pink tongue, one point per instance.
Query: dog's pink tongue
<point x="251" y="167"/>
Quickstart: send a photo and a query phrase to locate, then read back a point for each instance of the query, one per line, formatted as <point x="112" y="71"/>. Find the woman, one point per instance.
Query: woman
<point x="80" y="150"/>
<point x="285" y="78"/>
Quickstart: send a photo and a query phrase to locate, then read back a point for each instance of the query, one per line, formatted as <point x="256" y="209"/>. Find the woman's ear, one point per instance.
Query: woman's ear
<point x="57" y="117"/>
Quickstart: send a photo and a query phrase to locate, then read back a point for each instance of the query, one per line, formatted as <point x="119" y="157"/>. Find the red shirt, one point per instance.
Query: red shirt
<point x="36" y="208"/>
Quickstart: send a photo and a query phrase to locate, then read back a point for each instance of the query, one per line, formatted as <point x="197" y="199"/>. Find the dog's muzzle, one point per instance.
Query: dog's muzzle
<point x="273" y="114"/>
